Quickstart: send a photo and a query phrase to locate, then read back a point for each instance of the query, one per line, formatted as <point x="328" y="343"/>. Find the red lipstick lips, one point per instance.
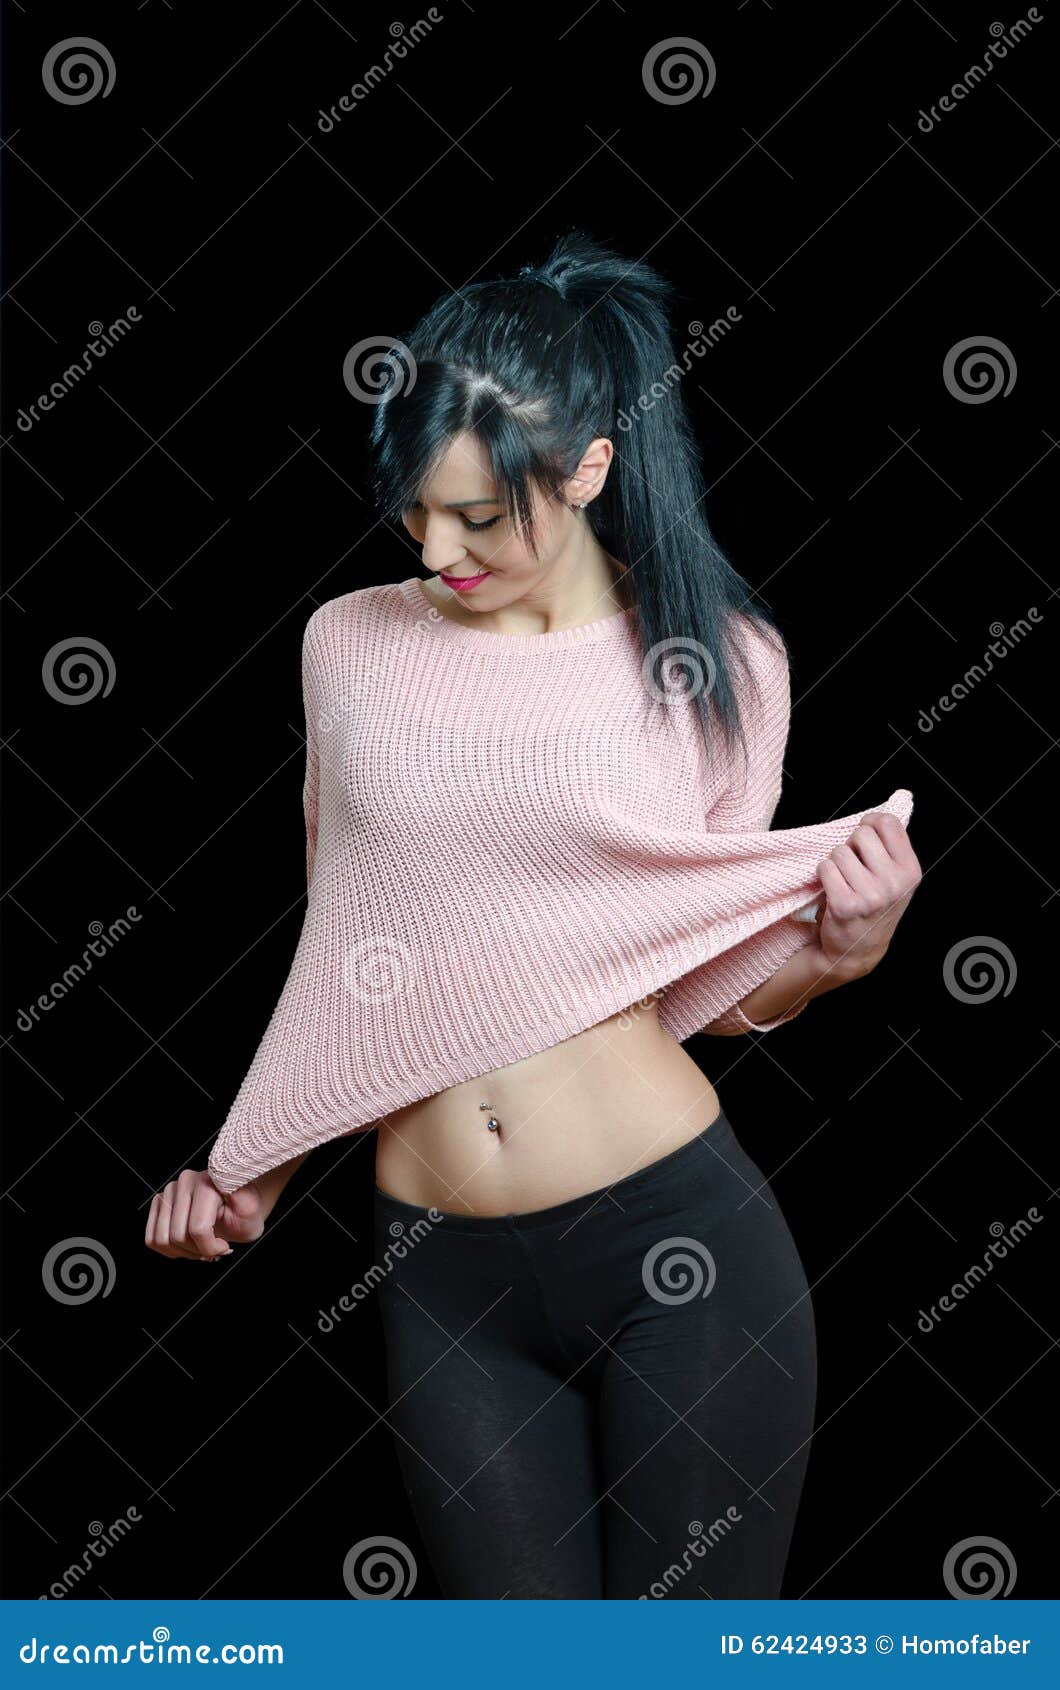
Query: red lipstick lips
<point x="464" y="583"/>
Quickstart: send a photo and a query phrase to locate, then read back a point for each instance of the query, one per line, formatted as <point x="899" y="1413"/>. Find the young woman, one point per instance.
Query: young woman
<point x="534" y="868"/>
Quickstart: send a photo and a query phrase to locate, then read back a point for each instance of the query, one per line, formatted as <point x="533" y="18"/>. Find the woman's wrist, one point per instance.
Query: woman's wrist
<point x="839" y="971"/>
<point x="270" y="1185"/>
<point x="805" y="975"/>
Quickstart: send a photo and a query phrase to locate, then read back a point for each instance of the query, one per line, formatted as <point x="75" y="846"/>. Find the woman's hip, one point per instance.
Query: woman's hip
<point x="695" y="1238"/>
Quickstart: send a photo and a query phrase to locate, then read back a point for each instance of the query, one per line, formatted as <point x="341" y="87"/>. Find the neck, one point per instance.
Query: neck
<point x="584" y="589"/>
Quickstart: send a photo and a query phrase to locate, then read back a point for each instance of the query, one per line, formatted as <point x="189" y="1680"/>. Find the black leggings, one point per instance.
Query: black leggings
<point x="611" y="1397"/>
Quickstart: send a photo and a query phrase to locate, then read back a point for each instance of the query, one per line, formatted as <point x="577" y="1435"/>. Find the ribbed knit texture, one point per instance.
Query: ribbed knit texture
<point x="508" y="839"/>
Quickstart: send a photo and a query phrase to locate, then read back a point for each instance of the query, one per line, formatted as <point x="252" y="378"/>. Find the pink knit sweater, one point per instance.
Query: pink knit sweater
<point x="508" y="839"/>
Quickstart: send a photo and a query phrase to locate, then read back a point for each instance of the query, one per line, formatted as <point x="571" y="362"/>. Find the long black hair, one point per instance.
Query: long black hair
<point x="537" y="366"/>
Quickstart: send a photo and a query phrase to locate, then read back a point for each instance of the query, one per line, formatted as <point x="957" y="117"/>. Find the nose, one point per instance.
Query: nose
<point x="440" y="553"/>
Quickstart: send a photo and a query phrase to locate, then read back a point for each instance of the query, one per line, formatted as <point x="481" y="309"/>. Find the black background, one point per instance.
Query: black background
<point x="191" y="501"/>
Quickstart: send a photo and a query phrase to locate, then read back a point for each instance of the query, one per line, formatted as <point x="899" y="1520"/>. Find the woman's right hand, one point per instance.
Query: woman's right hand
<point x="191" y="1219"/>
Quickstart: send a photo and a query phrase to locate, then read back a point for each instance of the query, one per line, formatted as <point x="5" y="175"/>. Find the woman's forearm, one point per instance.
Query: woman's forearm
<point x="804" y="976"/>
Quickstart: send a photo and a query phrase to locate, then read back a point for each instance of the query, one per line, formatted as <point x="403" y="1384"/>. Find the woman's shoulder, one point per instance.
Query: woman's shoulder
<point x="361" y="610"/>
<point x="763" y="651"/>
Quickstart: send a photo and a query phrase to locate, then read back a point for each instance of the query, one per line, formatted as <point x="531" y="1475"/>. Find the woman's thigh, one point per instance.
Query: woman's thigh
<point x="704" y="1441"/>
<point x="495" y="1442"/>
<point x="707" y="1397"/>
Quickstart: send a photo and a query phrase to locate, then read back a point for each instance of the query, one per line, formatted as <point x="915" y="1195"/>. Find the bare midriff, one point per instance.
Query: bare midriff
<point x="571" y="1119"/>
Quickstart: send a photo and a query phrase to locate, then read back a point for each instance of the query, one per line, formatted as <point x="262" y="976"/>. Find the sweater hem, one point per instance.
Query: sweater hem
<point x="749" y="960"/>
<point x="682" y="1021"/>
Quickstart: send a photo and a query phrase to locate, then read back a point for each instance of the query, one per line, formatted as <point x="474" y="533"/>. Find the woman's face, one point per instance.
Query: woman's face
<point x="467" y="536"/>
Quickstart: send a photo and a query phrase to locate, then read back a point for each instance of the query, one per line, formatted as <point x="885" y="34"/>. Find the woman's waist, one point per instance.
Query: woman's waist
<point x="565" y="1121"/>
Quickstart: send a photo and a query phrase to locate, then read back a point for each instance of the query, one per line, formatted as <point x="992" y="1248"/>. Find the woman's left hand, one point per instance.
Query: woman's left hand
<point x="867" y="883"/>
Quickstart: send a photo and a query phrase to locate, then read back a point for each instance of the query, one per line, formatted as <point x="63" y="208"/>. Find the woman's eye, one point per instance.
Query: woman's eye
<point x="476" y="527"/>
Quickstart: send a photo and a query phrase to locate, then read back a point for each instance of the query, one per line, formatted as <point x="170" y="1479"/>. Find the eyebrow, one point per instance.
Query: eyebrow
<point x="463" y="504"/>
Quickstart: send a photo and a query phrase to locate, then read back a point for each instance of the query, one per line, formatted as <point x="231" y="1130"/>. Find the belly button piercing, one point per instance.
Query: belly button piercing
<point x="493" y="1124"/>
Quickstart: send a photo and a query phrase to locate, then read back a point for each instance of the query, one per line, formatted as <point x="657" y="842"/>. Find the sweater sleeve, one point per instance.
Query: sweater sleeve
<point x="750" y="795"/>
